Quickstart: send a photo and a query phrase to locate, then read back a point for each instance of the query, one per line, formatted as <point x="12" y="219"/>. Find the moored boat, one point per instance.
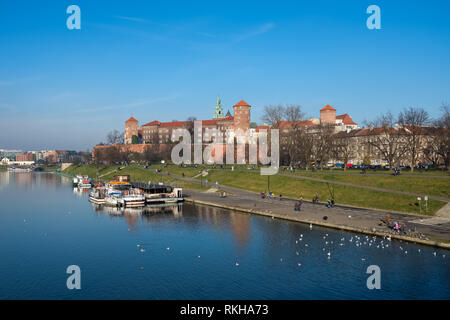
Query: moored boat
<point x="98" y="195"/>
<point x="132" y="198"/>
<point x="169" y="195"/>
<point x="84" y="182"/>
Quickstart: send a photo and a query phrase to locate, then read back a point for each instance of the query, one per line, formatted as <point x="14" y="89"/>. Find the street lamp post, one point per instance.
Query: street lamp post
<point x="420" y="205"/>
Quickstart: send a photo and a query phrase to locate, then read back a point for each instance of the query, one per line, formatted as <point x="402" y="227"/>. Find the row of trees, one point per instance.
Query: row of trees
<point x="410" y="137"/>
<point x="298" y="144"/>
<point x="113" y="154"/>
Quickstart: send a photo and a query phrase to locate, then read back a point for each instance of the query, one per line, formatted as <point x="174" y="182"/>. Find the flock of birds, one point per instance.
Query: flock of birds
<point x="328" y="245"/>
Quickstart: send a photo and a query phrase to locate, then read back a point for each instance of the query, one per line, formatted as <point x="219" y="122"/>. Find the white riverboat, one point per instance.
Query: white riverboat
<point x="132" y="198"/>
<point x="84" y="182"/>
<point x="165" y="195"/>
<point x="120" y="192"/>
<point x="98" y="195"/>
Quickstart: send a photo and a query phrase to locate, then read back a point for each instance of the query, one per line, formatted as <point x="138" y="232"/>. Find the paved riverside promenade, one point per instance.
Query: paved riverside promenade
<point x="343" y="217"/>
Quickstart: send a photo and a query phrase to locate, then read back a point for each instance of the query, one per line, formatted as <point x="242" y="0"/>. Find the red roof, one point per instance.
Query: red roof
<point x="153" y="123"/>
<point x="183" y="123"/>
<point x="132" y="120"/>
<point x="229" y="118"/>
<point x="301" y="123"/>
<point x="208" y="122"/>
<point x="328" y="107"/>
<point x="258" y="128"/>
<point x="242" y="103"/>
<point x="175" y="123"/>
<point x="346" y="119"/>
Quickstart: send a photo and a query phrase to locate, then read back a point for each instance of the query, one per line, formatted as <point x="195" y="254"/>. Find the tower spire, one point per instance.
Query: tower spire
<point x="218" y="112"/>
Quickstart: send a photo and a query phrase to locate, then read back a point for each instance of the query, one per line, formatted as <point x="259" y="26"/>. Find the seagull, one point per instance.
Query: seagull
<point x="237" y="264"/>
<point x="142" y="250"/>
<point x="167" y="248"/>
<point x="299" y="264"/>
<point x="310" y="226"/>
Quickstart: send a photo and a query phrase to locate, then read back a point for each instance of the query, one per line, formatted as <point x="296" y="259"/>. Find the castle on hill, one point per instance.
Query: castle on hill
<point x="156" y="132"/>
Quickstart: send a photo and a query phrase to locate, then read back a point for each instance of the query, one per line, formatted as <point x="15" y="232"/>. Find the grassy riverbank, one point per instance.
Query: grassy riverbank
<point x="136" y="174"/>
<point x="291" y="187"/>
<point x="420" y="185"/>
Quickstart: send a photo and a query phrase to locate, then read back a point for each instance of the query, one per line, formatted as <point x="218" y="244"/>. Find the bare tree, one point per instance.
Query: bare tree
<point x="115" y="137"/>
<point x="342" y="148"/>
<point x="438" y="144"/>
<point x="323" y="140"/>
<point x="414" y="120"/>
<point x="292" y="132"/>
<point x="273" y="115"/>
<point x="387" y="139"/>
<point x="306" y="148"/>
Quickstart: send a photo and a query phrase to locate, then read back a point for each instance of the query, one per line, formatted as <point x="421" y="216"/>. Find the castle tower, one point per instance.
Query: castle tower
<point x="218" y="112"/>
<point x="131" y="129"/>
<point x="328" y="115"/>
<point x="241" y="115"/>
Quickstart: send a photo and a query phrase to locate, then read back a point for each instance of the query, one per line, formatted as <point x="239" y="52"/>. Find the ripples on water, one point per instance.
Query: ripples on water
<point x="192" y="252"/>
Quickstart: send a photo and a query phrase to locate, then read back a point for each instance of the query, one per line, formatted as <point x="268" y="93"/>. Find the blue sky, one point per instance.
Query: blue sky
<point x="169" y="60"/>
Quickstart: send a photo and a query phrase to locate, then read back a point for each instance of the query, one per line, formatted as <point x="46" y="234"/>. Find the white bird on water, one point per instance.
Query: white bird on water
<point x="310" y="226"/>
<point x="329" y="255"/>
<point x="237" y="264"/>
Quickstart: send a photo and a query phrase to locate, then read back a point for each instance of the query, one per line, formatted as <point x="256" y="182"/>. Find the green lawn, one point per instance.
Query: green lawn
<point x="291" y="187"/>
<point x="3" y="168"/>
<point x="136" y="175"/>
<point x="251" y="180"/>
<point x="420" y="185"/>
<point x="434" y="172"/>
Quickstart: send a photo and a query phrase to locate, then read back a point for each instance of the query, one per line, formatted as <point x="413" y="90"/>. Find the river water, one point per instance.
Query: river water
<point x="192" y="252"/>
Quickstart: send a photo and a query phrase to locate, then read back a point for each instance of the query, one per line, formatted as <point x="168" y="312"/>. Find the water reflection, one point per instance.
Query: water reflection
<point x="213" y="253"/>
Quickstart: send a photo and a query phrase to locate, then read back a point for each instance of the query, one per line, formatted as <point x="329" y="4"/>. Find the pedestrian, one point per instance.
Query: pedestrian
<point x="280" y="197"/>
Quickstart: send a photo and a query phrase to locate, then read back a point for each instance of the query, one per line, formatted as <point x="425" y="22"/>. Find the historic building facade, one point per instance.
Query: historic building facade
<point x="156" y="132"/>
